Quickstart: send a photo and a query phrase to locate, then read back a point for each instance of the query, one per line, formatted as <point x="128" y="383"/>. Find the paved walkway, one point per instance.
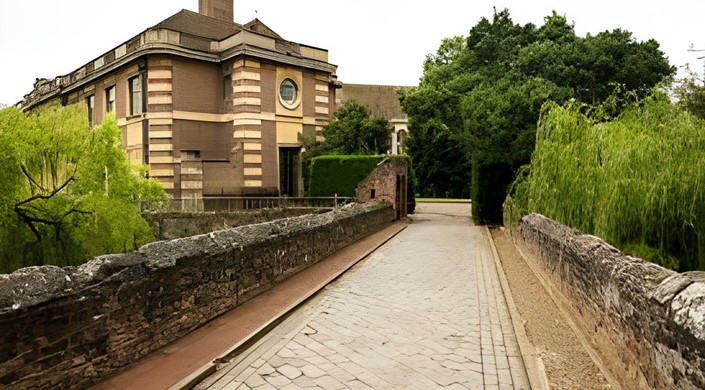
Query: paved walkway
<point x="179" y="365"/>
<point x="424" y="311"/>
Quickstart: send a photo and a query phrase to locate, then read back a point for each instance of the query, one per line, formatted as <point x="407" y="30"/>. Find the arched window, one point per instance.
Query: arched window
<point x="401" y="140"/>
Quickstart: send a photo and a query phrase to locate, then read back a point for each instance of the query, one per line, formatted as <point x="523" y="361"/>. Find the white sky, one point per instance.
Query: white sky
<point x="371" y="41"/>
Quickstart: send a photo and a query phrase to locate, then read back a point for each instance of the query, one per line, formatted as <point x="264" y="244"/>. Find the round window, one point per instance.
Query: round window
<point x="288" y="92"/>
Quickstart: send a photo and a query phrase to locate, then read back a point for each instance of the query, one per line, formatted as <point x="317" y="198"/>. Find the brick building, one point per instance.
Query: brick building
<point x="215" y="108"/>
<point x="389" y="183"/>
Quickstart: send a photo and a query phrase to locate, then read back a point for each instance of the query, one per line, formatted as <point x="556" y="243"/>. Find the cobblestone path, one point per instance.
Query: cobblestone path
<point x="425" y="311"/>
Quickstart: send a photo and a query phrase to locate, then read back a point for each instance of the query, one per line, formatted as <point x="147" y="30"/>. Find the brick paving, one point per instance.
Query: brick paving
<point x="424" y="311"/>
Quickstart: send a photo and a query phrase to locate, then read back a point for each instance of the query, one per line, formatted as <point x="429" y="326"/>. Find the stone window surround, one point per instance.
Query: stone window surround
<point x="286" y="86"/>
<point x="90" y="103"/>
<point x="110" y="98"/>
<point x="136" y="94"/>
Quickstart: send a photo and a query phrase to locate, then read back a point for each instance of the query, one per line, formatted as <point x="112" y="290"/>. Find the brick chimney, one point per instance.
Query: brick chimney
<point x="219" y="9"/>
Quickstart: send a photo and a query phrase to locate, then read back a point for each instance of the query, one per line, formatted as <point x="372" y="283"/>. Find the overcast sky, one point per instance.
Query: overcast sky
<point x="371" y="41"/>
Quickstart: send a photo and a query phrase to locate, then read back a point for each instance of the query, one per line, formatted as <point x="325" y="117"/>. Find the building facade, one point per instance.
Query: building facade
<point x="214" y="108"/>
<point x="381" y="100"/>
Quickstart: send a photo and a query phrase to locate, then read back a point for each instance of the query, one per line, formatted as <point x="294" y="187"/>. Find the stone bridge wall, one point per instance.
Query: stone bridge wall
<point x="646" y="322"/>
<point x="168" y="226"/>
<point x="69" y="327"/>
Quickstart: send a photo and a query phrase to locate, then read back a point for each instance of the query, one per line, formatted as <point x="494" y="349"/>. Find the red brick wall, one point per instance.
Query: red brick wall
<point x="197" y="86"/>
<point x="308" y="99"/>
<point x="213" y="139"/>
<point x="270" y="90"/>
<point x="270" y="157"/>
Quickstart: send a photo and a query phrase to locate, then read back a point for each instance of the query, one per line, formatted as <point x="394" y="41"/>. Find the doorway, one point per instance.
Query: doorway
<point x="289" y="171"/>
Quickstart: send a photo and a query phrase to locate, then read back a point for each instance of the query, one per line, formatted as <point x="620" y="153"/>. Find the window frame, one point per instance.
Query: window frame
<point x="137" y="96"/>
<point x="90" y="104"/>
<point x="110" y="103"/>
<point x="294" y="101"/>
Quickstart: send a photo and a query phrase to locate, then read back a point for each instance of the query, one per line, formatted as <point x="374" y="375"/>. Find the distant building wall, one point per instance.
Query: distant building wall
<point x="381" y="100"/>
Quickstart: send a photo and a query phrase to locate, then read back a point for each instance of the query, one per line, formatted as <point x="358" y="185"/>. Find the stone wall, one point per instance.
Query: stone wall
<point x="168" y="226"/>
<point x="70" y="327"/>
<point x="646" y="322"/>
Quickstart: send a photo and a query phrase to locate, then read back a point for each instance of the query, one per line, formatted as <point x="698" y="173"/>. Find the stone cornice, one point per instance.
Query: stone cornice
<point x="167" y="42"/>
<point x="257" y="52"/>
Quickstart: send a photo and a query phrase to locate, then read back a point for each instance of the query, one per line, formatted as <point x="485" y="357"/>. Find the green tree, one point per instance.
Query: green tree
<point x="500" y="125"/>
<point x="67" y="191"/>
<point x="490" y="91"/>
<point x="433" y="145"/>
<point x="354" y="131"/>
<point x="437" y="145"/>
<point x="635" y="180"/>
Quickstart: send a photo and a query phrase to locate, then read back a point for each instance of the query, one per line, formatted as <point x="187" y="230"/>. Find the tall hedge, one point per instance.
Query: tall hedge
<point x="336" y="174"/>
<point x="488" y="188"/>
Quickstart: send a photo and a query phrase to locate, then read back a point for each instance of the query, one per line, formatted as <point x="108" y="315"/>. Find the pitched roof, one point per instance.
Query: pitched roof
<point x="256" y="25"/>
<point x="193" y="23"/>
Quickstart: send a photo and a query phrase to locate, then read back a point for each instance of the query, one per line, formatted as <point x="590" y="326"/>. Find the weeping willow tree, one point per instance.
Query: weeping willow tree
<point x="67" y="191"/>
<point x="637" y="181"/>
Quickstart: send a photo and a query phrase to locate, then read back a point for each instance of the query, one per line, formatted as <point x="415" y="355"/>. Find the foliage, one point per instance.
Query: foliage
<point x="690" y="93"/>
<point x="353" y="131"/>
<point x="500" y="118"/>
<point x="637" y="181"/>
<point x="338" y="174"/>
<point x="436" y="144"/>
<point x="484" y="95"/>
<point x="66" y="191"/>
<point x="432" y="145"/>
<point x="589" y="66"/>
<point x="312" y="150"/>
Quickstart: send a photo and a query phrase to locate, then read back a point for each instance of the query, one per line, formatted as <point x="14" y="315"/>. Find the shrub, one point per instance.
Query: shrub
<point x="336" y="174"/>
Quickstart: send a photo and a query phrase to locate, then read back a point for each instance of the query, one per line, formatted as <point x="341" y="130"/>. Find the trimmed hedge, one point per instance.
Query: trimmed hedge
<point x="488" y="189"/>
<point x="337" y="174"/>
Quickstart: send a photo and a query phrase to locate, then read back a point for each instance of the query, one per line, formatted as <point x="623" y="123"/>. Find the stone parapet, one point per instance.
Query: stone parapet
<point x="168" y="226"/>
<point x="69" y="327"/>
<point x="646" y="322"/>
